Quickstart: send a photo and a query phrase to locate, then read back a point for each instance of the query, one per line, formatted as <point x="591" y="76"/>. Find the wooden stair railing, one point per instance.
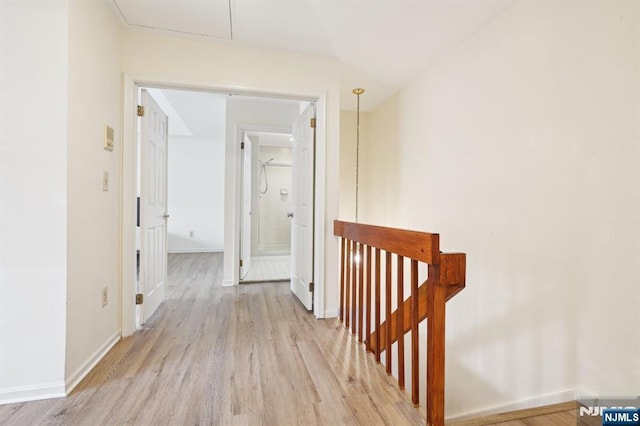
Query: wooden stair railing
<point x="363" y="250"/>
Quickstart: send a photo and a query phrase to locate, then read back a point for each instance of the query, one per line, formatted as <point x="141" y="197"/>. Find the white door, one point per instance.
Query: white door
<point x="303" y="152"/>
<point x="245" y="247"/>
<point x="153" y="206"/>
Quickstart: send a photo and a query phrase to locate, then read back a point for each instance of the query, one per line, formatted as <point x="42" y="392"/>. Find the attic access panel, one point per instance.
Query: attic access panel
<point x="211" y="18"/>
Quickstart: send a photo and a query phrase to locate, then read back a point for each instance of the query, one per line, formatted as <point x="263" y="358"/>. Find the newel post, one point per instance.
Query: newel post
<point x="435" y="347"/>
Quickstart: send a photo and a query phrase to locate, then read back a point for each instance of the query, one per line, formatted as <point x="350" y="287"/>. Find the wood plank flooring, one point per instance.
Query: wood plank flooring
<point x="564" y="414"/>
<point x="268" y="268"/>
<point x="244" y="355"/>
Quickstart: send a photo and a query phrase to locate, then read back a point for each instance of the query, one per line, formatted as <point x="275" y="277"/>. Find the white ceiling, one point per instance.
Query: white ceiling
<point x="382" y="44"/>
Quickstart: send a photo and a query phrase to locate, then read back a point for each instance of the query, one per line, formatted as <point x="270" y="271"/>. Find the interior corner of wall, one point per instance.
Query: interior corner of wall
<point x="330" y="313"/>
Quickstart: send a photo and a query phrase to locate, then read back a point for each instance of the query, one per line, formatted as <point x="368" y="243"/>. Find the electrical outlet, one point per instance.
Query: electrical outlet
<point x="105" y="180"/>
<point x="105" y="296"/>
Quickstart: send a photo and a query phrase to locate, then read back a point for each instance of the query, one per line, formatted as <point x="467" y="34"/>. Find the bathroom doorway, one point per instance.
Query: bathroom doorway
<point x="267" y="176"/>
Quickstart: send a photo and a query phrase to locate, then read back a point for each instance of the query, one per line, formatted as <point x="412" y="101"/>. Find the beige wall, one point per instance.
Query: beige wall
<point x="93" y="250"/>
<point x="520" y="147"/>
<point x="55" y="325"/>
<point x="348" y="165"/>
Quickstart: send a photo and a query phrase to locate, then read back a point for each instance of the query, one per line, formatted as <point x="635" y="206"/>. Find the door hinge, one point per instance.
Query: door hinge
<point x="241" y="263"/>
<point x="311" y="287"/>
<point x="313" y="122"/>
<point x="140" y="111"/>
<point x="139" y="299"/>
<point x="241" y="145"/>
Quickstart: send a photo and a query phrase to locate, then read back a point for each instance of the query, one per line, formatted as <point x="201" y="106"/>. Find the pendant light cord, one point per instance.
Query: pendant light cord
<point x="357" y="92"/>
<point x="357" y="154"/>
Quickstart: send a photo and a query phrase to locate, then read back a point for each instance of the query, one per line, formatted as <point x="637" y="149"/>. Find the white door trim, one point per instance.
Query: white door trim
<point x="241" y="129"/>
<point x="129" y="193"/>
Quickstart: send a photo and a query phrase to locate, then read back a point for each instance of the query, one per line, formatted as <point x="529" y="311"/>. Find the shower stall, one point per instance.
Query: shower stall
<point x="274" y="201"/>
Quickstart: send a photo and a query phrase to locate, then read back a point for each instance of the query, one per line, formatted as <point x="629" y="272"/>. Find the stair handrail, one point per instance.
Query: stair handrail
<point x="361" y="253"/>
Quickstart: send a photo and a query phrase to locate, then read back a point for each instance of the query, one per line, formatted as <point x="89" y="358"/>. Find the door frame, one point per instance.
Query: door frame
<point x="131" y="83"/>
<point x="241" y="129"/>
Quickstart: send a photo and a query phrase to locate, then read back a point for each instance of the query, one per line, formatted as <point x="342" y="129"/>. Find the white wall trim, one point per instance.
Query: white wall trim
<point x="207" y="250"/>
<point x="582" y="393"/>
<point x="556" y="398"/>
<point x="320" y="205"/>
<point x="128" y="247"/>
<point x="32" y="393"/>
<point x="129" y="190"/>
<point x="91" y="362"/>
<point x="234" y="209"/>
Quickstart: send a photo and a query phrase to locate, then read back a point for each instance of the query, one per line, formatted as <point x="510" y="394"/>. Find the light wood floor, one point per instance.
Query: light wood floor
<point x="245" y="355"/>
<point x="564" y="414"/>
<point x="268" y="268"/>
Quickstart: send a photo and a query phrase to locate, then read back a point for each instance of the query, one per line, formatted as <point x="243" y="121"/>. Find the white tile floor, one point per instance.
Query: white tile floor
<point x="269" y="268"/>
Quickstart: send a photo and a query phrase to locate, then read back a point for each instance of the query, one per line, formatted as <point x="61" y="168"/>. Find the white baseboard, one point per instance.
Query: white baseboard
<point x="556" y="398"/>
<point x="84" y="369"/>
<point x="586" y="394"/>
<point x="331" y="313"/>
<point x="228" y="283"/>
<point x="32" y="393"/>
<point x="213" y="250"/>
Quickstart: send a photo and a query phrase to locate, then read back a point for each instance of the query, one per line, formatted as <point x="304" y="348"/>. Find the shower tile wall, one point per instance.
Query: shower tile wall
<point x="274" y="227"/>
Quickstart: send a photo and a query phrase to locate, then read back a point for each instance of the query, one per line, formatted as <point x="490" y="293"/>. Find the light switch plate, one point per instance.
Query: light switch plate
<point x="105" y="180"/>
<point x="108" y="138"/>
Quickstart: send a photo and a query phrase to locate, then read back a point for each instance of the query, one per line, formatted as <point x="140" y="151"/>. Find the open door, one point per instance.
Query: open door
<point x="245" y="246"/>
<point x="153" y="206"/>
<point x="303" y="194"/>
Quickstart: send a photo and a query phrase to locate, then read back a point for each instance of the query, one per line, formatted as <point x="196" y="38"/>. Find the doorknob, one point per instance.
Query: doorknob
<point x="165" y="216"/>
<point x="290" y="214"/>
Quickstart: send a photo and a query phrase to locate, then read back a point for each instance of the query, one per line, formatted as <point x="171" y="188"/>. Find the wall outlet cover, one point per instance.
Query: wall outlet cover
<point x="105" y="181"/>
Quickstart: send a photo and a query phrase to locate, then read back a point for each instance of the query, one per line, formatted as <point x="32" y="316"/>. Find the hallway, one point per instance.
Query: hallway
<point x="245" y="355"/>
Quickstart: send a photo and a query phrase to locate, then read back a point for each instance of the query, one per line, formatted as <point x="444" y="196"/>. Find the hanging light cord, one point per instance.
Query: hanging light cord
<point x="357" y="92"/>
<point x="357" y="155"/>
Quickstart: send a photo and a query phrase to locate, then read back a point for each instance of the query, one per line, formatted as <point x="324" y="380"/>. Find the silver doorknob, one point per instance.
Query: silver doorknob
<point x="290" y="214"/>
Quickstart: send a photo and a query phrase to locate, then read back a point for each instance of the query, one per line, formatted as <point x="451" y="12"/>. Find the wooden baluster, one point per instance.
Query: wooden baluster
<point x="435" y="347"/>
<point x="343" y="252"/>
<point x="400" y="320"/>
<point x="415" y="348"/>
<point x="418" y="247"/>
<point x="367" y="328"/>
<point x="354" y="278"/>
<point x="360" y="291"/>
<point x="377" y="285"/>
<point x="347" y="290"/>
<point x="388" y="310"/>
